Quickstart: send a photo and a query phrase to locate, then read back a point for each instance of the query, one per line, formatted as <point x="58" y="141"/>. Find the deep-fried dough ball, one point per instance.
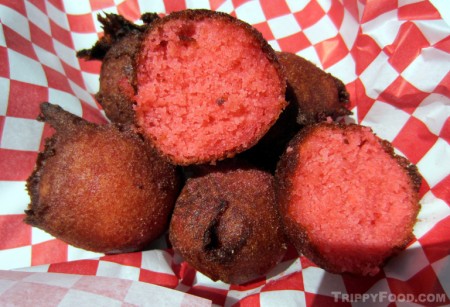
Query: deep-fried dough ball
<point x="316" y="94"/>
<point x="347" y="201"/>
<point x="225" y="224"/>
<point x="165" y="77"/>
<point x="100" y="188"/>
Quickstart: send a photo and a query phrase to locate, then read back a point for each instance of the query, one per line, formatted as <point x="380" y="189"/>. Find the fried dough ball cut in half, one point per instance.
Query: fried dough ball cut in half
<point x="100" y="188"/>
<point x="347" y="201"/>
<point x="209" y="86"/>
<point x="317" y="94"/>
<point x="226" y="226"/>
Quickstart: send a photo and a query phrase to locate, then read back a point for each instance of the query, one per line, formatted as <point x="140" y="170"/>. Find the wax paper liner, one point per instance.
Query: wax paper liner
<point x="52" y="289"/>
<point x="393" y="57"/>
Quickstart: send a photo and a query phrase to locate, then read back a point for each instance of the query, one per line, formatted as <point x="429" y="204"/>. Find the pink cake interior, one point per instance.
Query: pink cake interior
<point x="355" y="200"/>
<point x="205" y="88"/>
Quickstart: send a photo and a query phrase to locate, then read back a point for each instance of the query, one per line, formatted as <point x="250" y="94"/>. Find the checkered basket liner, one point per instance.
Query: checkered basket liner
<point x="393" y="56"/>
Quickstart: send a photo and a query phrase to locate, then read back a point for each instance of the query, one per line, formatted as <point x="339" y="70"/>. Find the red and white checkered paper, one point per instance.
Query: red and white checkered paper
<point x="57" y="289"/>
<point x="394" y="57"/>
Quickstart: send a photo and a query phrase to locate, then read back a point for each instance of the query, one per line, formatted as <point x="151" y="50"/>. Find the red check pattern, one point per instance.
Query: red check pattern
<point x="394" y="58"/>
<point x="54" y="289"/>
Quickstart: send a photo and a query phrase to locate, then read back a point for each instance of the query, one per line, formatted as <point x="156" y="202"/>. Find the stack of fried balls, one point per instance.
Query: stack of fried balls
<point x="233" y="149"/>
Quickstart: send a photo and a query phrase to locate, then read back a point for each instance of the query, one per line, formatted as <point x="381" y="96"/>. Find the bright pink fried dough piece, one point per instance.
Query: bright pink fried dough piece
<point x="209" y="86"/>
<point x="348" y="202"/>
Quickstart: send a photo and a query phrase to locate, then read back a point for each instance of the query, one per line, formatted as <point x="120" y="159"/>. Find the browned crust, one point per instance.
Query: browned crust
<point x="59" y="120"/>
<point x="201" y="14"/>
<point x="224" y="220"/>
<point x="117" y="80"/>
<point x="117" y="49"/>
<point x="115" y="28"/>
<point x="47" y="212"/>
<point x="286" y="171"/>
<point x="317" y="94"/>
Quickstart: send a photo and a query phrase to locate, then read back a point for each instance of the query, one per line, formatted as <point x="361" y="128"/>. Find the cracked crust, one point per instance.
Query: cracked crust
<point x="226" y="226"/>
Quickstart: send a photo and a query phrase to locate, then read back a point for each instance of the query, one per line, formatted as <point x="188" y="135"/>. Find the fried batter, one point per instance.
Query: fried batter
<point x="100" y="188"/>
<point x="115" y="27"/>
<point x="117" y="90"/>
<point x="317" y="94"/>
<point x="225" y="224"/>
<point x="117" y="50"/>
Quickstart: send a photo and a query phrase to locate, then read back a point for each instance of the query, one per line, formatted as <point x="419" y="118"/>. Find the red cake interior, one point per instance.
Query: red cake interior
<point x="205" y="88"/>
<point x="353" y="197"/>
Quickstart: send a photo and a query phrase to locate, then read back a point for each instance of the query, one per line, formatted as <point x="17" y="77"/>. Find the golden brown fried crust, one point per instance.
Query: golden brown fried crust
<point x="285" y="173"/>
<point x="317" y="94"/>
<point x="100" y="188"/>
<point x="226" y="226"/>
<point x="117" y="89"/>
<point x="117" y="50"/>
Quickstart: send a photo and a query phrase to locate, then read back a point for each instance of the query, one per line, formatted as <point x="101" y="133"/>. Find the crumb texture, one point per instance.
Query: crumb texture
<point x="205" y="87"/>
<point x="355" y="201"/>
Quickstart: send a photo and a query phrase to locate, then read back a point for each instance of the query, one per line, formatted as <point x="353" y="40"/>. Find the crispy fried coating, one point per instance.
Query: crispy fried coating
<point x="115" y="27"/>
<point x="117" y="90"/>
<point x="225" y="224"/>
<point x="347" y="201"/>
<point x="117" y="50"/>
<point x="100" y="188"/>
<point x="317" y="94"/>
